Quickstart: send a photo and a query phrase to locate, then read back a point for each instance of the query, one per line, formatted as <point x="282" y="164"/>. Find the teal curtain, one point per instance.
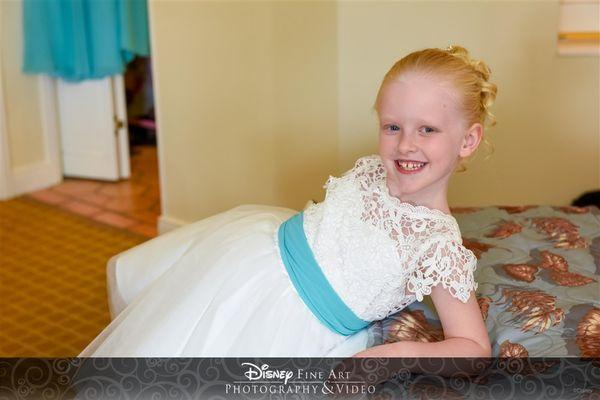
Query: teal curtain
<point x="83" y="39"/>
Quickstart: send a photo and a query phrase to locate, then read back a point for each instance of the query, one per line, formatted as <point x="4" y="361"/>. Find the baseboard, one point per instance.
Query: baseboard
<point x="166" y="223"/>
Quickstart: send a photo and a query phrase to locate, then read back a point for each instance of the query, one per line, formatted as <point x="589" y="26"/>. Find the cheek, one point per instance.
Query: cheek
<point x="446" y="150"/>
<point x="446" y="157"/>
<point x="386" y="143"/>
<point x="382" y="146"/>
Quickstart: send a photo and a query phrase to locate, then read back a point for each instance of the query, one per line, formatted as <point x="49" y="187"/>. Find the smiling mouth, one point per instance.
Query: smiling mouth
<point x="411" y="167"/>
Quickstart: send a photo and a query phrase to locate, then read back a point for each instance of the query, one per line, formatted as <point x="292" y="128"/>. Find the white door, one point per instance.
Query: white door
<point x="93" y="128"/>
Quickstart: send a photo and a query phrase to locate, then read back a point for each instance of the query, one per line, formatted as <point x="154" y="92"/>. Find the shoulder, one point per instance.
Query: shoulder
<point x="443" y="261"/>
<point x="448" y="247"/>
<point x="367" y="167"/>
<point x="370" y="162"/>
<point x="446" y="261"/>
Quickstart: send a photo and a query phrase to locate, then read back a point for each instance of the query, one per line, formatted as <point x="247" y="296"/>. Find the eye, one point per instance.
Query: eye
<point x="392" y="127"/>
<point x="428" y="130"/>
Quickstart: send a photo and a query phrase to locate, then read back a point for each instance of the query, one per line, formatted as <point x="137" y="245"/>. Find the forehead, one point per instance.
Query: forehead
<point x="418" y="97"/>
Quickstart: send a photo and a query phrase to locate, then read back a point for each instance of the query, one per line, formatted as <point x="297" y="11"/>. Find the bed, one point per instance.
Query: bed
<point x="538" y="273"/>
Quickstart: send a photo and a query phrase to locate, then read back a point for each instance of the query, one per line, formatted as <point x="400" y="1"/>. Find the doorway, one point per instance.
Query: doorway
<point x="131" y="203"/>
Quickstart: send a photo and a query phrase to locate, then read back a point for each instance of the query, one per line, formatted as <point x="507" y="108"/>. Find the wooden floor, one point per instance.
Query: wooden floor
<point x="132" y="204"/>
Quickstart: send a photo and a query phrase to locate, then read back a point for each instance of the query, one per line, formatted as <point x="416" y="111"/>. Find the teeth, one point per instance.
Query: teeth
<point x="411" y="166"/>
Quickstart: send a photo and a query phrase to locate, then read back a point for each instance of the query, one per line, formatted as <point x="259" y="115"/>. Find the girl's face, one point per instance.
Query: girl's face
<point x="419" y="122"/>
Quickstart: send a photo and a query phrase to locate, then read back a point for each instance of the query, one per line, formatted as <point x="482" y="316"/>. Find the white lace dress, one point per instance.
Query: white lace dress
<point x="229" y="295"/>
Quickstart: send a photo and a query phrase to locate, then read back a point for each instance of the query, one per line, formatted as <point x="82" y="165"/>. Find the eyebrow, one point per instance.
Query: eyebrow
<point x="420" y="120"/>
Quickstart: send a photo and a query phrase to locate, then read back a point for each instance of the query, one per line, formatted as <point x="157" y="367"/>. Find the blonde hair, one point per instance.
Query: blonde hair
<point x="468" y="76"/>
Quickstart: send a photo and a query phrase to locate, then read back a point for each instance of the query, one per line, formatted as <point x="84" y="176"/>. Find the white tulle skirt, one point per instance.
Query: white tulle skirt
<point x="229" y="296"/>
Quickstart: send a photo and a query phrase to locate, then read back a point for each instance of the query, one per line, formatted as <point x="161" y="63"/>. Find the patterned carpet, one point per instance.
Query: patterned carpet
<point x="53" y="278"/>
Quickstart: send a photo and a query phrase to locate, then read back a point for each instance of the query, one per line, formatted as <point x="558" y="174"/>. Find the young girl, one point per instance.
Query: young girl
<point x="263" y="281"/>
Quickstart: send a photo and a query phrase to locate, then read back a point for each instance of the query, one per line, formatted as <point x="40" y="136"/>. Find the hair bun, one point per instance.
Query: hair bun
<point x="488" y="89"/>
<point x="478" y="65"/>
<point x="454" y="49"/>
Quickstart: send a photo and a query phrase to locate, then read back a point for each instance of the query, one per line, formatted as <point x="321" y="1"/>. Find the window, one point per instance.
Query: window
<point x="579" y="27"/>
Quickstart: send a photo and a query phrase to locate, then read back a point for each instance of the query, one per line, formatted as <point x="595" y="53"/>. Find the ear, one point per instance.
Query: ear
<point x="471" y="140"/>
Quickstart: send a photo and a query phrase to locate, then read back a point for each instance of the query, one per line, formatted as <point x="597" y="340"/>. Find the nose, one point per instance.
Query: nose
<point x="406" y="143"/>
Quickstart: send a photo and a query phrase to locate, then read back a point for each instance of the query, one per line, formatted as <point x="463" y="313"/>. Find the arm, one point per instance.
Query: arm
<point x="465" y="336"/>
<point x="447" y="269"/>
<point x="453" y="347"/>
<point x="464" y="330"/>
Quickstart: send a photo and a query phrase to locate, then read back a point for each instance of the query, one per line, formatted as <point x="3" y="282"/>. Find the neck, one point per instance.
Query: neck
<point x="432" y="199"/>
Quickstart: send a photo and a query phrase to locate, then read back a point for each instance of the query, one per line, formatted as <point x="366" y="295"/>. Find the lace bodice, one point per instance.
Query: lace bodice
<point x="381" y="254"/>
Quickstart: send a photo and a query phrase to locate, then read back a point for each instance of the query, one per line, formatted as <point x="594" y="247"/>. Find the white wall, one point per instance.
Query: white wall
<point x="20" y="92"/>
<point x="247" y="103"/>
<point x="258" y="102"/>
<point x="546" y="143"/>
<point x="29" y="158"/>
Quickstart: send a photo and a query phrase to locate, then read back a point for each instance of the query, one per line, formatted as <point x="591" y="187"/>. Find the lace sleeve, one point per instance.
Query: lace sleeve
<point x="359" y="166"/>
<point x="447" y="261"/>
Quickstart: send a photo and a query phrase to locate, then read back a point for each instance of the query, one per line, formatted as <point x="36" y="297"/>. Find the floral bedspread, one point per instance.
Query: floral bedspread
<point x="538" y="272"/>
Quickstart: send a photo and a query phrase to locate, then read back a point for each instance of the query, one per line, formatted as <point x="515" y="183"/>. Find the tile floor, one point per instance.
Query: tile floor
<point x="132" y="204"/>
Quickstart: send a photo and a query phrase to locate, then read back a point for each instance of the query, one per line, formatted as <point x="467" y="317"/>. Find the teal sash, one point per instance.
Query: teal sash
<point x="311" y="283"/>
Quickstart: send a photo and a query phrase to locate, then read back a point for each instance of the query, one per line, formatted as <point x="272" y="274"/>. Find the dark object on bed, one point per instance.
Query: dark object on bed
<point x="588" y="199"/>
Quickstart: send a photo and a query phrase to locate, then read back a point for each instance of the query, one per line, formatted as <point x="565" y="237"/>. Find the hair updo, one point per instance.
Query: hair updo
<point x="468" y="76"/>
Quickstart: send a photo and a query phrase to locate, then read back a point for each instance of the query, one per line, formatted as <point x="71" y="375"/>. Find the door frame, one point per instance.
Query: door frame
<point x="120" y="113"/>
<point x="4" y="150"/>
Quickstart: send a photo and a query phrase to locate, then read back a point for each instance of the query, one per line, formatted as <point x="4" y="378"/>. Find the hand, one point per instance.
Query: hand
<point x="372" y="352"/>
